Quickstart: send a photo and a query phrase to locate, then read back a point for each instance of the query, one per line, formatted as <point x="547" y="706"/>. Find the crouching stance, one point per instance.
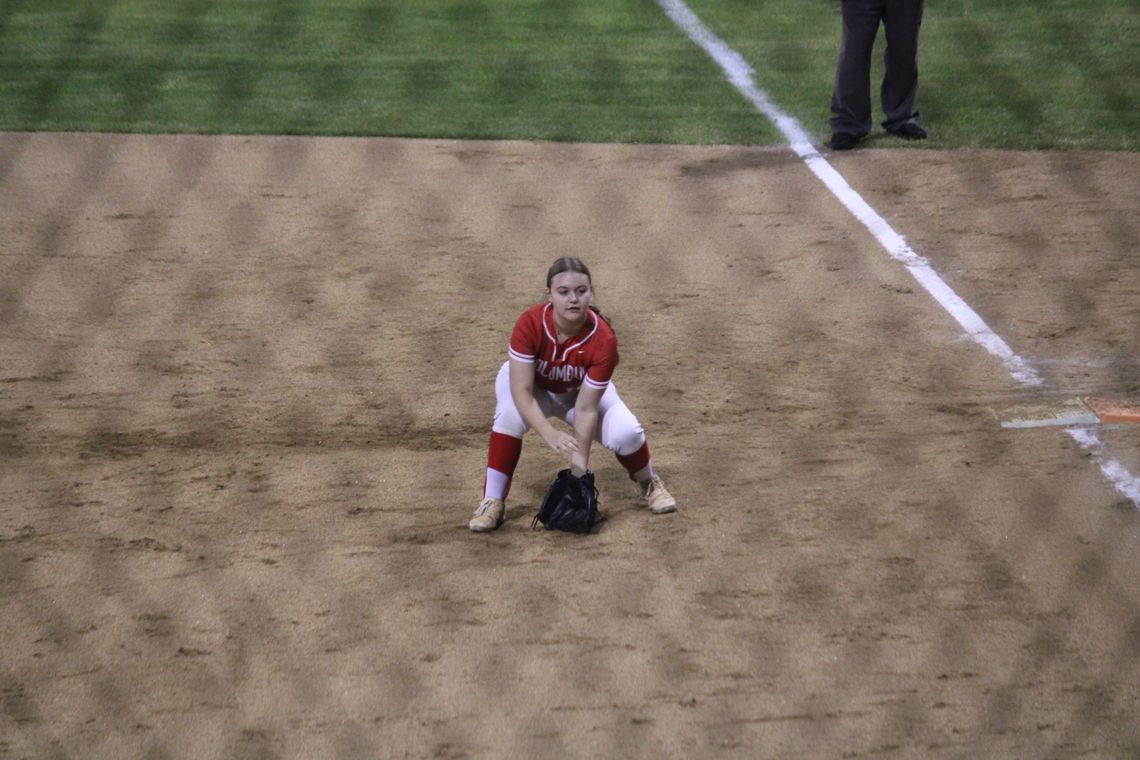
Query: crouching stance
<point x="562" y="356"/>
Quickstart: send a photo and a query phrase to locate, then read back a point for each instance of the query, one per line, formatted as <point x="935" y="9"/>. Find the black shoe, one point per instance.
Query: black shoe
<point x="842" y="141"/>
<point x="909" y="131"/>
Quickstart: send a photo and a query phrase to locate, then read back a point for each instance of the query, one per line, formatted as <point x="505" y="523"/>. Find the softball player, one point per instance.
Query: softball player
<point x="562" y="355"/>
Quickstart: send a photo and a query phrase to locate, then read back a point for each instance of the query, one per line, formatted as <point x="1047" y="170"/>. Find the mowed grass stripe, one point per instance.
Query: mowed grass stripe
<point x="582" y="71"/>
<point x="1018" y="74"/>
<point x="1015" y="74"/>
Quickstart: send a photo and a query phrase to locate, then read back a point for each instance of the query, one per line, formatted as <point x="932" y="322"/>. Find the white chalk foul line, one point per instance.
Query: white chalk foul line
<point x="1110" y="468"/>
<point x="740" y="75"/>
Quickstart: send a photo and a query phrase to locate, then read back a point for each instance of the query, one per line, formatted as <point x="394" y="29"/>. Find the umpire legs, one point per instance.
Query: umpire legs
<point x="901" y="21"/>
<point x="851" y="98"/>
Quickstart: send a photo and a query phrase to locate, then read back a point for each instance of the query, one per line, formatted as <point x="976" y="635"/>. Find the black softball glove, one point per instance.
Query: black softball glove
<point x="571" y="504"/>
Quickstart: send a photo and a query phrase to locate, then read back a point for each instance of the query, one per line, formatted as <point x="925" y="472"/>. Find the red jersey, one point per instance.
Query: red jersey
<point x="589" y="357"/>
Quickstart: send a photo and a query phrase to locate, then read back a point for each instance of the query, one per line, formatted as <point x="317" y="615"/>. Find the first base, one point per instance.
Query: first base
<point x="1071" y="411"/>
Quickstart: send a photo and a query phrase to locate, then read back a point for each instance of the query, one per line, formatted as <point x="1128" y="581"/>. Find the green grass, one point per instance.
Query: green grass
<point x="995" y="73"/>
<point x="596" y="71"/>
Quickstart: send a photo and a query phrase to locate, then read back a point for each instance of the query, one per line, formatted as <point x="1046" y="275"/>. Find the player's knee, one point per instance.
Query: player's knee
<point x="509" y="423"/>
<point x="625" y="438"/>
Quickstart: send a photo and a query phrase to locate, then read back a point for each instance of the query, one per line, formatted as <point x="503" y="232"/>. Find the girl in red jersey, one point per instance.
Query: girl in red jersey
<point x="562" y="355"/>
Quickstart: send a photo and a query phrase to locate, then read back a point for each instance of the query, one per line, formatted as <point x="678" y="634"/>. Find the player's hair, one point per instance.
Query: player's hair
<point x="567" y="264"/>
<point x="572" y="264"/>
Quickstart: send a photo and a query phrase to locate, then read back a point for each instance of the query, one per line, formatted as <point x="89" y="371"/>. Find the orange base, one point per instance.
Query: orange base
<point x="1115" y="409"/>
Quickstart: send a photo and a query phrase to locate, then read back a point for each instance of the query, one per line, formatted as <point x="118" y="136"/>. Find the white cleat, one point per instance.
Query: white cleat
<point x="488" y="516"/>
<point x="656" y="497"/>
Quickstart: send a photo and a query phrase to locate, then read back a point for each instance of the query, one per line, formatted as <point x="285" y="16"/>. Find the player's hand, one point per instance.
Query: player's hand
<point x="563" y="443"/>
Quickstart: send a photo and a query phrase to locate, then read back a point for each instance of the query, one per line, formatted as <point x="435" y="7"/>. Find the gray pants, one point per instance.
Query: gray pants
<point x="851" y="100"/>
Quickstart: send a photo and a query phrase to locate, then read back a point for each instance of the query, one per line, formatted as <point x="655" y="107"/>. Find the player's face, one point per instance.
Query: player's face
<point x="570" y="294"/>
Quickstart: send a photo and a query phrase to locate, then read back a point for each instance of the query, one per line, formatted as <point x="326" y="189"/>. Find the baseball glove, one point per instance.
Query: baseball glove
<point x="570" y="504"/>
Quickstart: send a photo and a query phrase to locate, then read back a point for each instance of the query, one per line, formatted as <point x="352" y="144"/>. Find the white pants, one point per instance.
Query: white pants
<point x="618" y="429"/>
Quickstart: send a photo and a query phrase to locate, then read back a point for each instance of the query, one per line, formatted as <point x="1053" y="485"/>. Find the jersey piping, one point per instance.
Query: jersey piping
<point x="530" y="358"/>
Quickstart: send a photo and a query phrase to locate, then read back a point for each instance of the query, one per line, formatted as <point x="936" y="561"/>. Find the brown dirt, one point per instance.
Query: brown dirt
<point x="245" y="392"/>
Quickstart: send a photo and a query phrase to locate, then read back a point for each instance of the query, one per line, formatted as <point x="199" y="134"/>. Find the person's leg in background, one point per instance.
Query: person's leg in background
<point x="851" y="98"/>
<point x="901" y="21"/>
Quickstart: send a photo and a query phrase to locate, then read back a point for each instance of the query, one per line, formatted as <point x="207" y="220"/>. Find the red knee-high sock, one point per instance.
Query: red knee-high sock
<point x="503" y="452"/>
<point x="635" y="462"/>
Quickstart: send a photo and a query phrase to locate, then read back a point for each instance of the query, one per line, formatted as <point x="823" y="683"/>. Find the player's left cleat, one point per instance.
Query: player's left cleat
<point x="656" y="497"/>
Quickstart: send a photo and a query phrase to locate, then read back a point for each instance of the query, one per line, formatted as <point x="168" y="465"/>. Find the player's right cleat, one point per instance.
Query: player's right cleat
<point x="488" y="516"/>
<point x="654" y="495"/>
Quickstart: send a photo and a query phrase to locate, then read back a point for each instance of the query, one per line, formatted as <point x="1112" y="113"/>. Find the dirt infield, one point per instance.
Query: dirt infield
<point x="245" y="392"/>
